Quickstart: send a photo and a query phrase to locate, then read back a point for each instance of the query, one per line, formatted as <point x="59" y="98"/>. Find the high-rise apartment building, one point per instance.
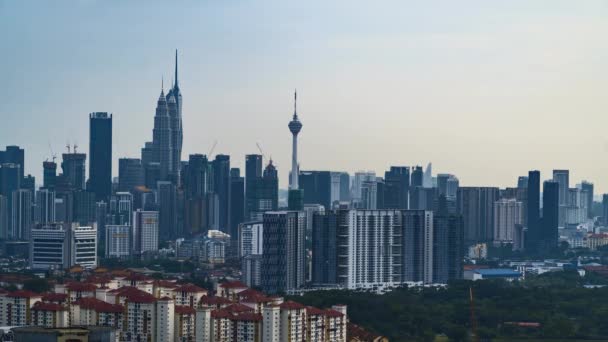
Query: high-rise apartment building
<point x="145" y="231"/>
<point x="22" y="206"/>
<point x="284" y="252"/>
<point x="118" y="241"/>
<point x="476" y="205"/>
<point x="508" y="217"/>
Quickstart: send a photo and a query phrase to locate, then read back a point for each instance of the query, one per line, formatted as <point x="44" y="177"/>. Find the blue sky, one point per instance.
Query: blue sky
<point x="484" y="89"/>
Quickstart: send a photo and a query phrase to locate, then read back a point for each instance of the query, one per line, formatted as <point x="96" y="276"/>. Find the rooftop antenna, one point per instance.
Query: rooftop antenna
<point x="67" y="145"/>
<point x="75" y="147"/>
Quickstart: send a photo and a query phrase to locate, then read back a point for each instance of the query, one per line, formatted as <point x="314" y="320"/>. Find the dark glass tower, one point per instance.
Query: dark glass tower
<point x="550" y="221"/>
<point x="253" y="174"/>
<point x="74" y="170"/>
<point x="417" y="176"/>
<point x="174" y="104"/>
<point x="316" y="186"/>
<point x="14" y="155"/>
<point x="237" y="202"/>
<point x="100" y="155"/>
<point x="605" y="209"/>
<point x="396" y="188"/>
<point x="221" y="177"/>
<point x="588" y="189"/>
<point x="130" y="174"/>
<point x="533" y="224"/>
<point x="49" y="178"/>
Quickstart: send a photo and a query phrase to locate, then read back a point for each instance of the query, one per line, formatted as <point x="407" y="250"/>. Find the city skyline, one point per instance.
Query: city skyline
<point x="492" y="114"/>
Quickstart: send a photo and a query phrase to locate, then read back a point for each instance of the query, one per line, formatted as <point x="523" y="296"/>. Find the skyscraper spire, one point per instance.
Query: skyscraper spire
<point x="176" y="85"/>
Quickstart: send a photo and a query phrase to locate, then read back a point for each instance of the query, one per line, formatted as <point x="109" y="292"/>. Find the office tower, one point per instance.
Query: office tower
<point x="4" y="217"/>
<point x="522" y="182"/>
<point x="588" y="187"/>
<point x="252" y="270"/>
<point x="145" y="231"/>
<point x="130" y="174"/>
<point x="549" y="234"/>
<point x="174" y="106"/>
<point x="358" y="180"/>
<point x="49" y="177"/>
<point x="237" y="201"/>
<point x="476" y="205"/>
<point x="452" y="185"/>
<point x="21" y="215"/>
<point x="253" y="172"/>
<point x="118" y="241"/>
<point x="427" y="177"/>
<point x="369" y="195"/>
<point x="562" y="177"/>
<point x="344" y="186"/>
<point x="532" y="234"/>
<point x="102" y="218"/>
<point x="14" y="155"/>
<point x="121" y="209"/>
<point x="221" y="186"/>
<point x="284" y="257"/>
<point x="84" y="207"/>
<point x="442" y="183"/>
<point x="83" y="246"/>
<point x="417" y="176"/>
<point x="423" y="198"/>
<point x="324" y="244"/>
<point x="162" y="138"/>
<point x="167" y="204"/>
<point x="316" y="186"/>
<point x="396" y="188"/>
<point x="45" y="206"/>
<point x="29" y="183"/>
<point x="198" y="176"/>
<point x="100" y="155"/>
<point x="251" y="238"/>
<point x="508" y="215"/>
<point x="605" y="209"/>
<point x="10" y="181"/>
<point x="417" y="246"/>
<point x="575" y="212"/>
<point x="64" y="206"/>
<point x="74" y="170"/>
<point x="448" y="247"/>
<point x="295" y="194"/>
<point x="49" y="247"/>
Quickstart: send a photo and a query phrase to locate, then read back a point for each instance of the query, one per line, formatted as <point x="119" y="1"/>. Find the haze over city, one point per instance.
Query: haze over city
<point x="484" y="90"/>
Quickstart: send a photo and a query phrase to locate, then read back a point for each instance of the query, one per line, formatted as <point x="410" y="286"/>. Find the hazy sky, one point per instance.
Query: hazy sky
<point x="486" y="90"/>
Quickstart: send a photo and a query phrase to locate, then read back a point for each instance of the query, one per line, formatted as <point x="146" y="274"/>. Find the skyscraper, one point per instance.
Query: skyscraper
<point x="237" y="202"/>
<point x="522" y="182"/>
<point x="22" y="205"/>
<point x="100" y="155"/>
<point x="476" y="205"/>
<point x="283" y="260"/>
<point x="508" y="215"/>
<point x="324" y="244"/>
<point x="533" y="212"/>
<point x="605" y="209"/>
<point x="562" y="177"/>
<point x="74" y="170"/>
<point x="174" y="101"/>
<point x="295" y="195"/>
<point x="130" y="174"/>
<point x="162" y="138"/>
<point x="253" y="172"/>
<point x="397" y="186"/>
<point x="448" y="247"/>
<point x="49" y="178"/>
<point x="418" y="237"/>
<point x="167" y="201"/>
<point x="417" y="176"/>
<point x="145" y="231"/>
<point x="221" y="186"/>
<point x="588" y="188"/>
<point x="45" y="206"/>
<point x="14" y="155"/>
<point x="549" y="232"/>
<point x="10" y="181"/>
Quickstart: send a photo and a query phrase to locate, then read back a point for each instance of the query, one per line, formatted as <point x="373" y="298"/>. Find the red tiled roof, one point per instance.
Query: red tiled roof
<point x="87" y="287"/>
<point x="311" y="310"/>
<point x="137" y="277"/>
<point x="190" y="288"/>
<point x="184" y="310"/>
<point x="98" y="305"/>
<point x="233" y="285"/>
<point x="54" y="297"/>
<point x="289" y="305"/>
<point x="40" y="306"/>
<point x="166" y="284"/>
<point x="215" y="300"/>
<point x="355" y="331"/>
<point x="237" y="307"/>
<point x="23" y="294"/>
<point x="333" y="313"/>
<point x="221" y="313"/>
<point x="135" y="295"/>
<point x="249" y="292"/>
<point x="97" y="279"/>
<point x="248" y="316"/>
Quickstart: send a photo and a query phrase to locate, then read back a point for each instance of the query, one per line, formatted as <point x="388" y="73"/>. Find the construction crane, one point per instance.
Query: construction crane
<point x="75" y="148"/>
<point x="53" y="155"/>
<point x="474" y="336"/>
<point x="260" y="149"/>
<point x="212" y="149"/>
<point x="67" y="145"/>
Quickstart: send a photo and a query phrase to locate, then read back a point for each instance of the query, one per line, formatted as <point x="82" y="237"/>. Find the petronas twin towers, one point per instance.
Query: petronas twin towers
<point x="165" y="151"/>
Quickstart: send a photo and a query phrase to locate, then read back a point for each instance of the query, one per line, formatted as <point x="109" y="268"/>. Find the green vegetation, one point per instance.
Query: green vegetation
<point x="558" y="301"/>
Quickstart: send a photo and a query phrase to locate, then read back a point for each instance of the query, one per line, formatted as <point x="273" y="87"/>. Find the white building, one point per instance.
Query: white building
<point x="83" y="246"/>
<point x="508" y="214"/>
<point x="250" y="238"/>
<point x="118" y="241"/>
<point x="145" y="231"/>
